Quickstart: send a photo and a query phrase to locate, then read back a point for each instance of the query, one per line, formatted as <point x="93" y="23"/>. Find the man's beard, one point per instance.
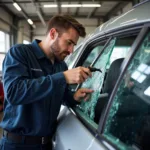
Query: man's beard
<point x="55" y="49"/>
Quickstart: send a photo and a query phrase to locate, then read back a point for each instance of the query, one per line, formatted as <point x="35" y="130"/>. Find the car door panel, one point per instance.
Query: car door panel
<point x="73" y="135"/>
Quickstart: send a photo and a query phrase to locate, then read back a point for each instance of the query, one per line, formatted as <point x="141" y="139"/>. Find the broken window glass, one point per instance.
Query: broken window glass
<point x="94" y="53"/>
<point x="96" y="82"/>
<point x="87" y="62"/>
<point x="128" y="122"/>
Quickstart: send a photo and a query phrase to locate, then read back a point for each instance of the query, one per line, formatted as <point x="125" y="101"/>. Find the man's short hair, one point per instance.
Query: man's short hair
<point x="63" y="22"/>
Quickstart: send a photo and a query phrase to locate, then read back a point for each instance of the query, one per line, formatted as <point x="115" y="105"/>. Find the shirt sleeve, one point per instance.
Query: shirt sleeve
<point x="69" y="100"/>
<point x="68" y="96"/>
<point x="20" y="88"/>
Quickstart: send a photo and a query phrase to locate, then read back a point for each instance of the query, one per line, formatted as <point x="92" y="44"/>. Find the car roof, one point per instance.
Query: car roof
<point x="139" y="14"/>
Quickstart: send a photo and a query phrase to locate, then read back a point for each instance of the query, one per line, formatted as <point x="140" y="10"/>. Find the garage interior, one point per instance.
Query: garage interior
<point x="22" y="21"/>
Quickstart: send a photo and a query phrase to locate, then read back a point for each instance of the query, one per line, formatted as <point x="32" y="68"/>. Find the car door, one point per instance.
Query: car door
<point x="127" y="123"/>
<point x="77" y="127"/>
<point x="72" y="124"/>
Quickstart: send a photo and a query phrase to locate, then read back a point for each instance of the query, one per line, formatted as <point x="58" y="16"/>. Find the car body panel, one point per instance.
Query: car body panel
<point x="136" y="16"/>
<point x="72" y="133"/>
<point x="71" y="125"/>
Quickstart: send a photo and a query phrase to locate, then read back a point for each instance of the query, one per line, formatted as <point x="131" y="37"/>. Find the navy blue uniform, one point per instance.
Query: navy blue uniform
<point x="34" y="91"/>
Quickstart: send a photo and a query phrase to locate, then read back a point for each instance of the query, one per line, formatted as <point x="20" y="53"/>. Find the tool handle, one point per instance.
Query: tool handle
<point x="92" y="69"/>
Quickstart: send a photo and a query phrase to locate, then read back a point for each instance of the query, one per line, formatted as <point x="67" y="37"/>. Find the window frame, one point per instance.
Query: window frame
<point x="138" y="41"/>
<point x="121" y="32"/>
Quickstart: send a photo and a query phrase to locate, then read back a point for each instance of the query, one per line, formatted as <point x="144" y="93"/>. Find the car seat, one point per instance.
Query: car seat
<point x="109" y="83"/>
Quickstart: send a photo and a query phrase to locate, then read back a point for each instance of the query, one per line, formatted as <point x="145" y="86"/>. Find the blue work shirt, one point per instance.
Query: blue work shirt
<point x="34" y="90"/>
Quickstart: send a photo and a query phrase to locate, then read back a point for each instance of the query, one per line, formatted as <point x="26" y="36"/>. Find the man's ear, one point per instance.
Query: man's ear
<point x="53" y="33"/>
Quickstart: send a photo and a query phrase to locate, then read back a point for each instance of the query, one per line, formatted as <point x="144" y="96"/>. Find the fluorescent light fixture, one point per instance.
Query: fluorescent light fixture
<point x="91" y="5"/>
<point x="17" y="6"/>
<point x="147" y="70"/>
<point x="30" y="21"/>
<point x="71" y="5"/>
<point x="147" y="91"/>
<point x="141" y="78"/>
<point x="142" y="67"/>
<point x="135" y="75"/>
<point x="34" y="26"/>
<point x="50" y="6"/>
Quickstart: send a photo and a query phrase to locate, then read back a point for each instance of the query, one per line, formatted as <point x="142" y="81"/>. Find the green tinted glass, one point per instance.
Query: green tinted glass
<point x="128" y="123"/>
<point x="96" y="82"/>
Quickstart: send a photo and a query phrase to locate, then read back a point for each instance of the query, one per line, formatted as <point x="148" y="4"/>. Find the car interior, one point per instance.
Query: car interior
<point x="131" y="102"/>
<point x="110" y="72"/>
<point x="132" y="114"/>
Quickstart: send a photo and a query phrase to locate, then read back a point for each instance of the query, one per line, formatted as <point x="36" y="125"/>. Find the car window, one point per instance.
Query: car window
<point x="95" y="83"/>
<point x="88" y="57"/>
<point x="94" y="53"/>
<point x="110" y="63"/>
<point x="128" y="122"/>
<point x="118" y="52"/>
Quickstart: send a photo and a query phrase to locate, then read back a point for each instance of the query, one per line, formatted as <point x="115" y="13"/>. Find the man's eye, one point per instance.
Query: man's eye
<point x="69" y="43"/>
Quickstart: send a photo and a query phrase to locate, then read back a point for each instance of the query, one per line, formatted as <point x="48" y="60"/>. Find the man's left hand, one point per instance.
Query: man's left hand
<point x="82" y="93"/>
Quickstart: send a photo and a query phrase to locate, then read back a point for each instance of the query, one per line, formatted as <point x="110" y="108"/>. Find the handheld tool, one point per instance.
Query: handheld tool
<point x="92" y="69"/>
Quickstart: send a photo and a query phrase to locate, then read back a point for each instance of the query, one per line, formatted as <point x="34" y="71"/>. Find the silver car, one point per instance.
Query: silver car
<point x="117" y="115"/>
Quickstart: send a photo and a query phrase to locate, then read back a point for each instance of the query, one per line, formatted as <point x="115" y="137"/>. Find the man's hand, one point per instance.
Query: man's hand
<point x="82" y="93"/>
<point x="77" y="75"/>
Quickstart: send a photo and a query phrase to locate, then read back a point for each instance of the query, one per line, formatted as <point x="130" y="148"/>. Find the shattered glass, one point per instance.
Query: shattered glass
<point x="94" y="53"/>
<point x="128" y="121"/>
<point x="96" y="82"/>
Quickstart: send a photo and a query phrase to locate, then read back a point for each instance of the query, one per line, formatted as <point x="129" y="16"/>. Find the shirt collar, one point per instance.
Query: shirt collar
<point x="37" y="50"/>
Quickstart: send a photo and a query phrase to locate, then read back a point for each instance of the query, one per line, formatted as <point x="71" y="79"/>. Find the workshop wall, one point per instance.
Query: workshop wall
<point x="5" y="20"/>
<point x="89" y="24"/>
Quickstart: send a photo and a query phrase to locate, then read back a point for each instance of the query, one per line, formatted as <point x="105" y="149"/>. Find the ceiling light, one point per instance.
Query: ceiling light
<point x="47" y="6"/>
<point x="71" y="5"/>
<point x="91" y="5"/>
<point x="30" y="21"/>
<point x="34" y="26"/>
<point x="17" y="6"/>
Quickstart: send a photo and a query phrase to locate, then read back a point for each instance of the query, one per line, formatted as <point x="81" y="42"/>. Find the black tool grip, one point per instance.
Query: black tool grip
<point x="92" y="69"/>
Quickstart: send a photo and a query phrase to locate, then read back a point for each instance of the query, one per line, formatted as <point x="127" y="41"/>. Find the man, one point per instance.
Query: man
<point x="36" y="84"/>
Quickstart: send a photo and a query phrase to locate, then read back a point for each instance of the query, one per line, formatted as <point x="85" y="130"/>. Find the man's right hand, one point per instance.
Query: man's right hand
<point x="77" y="75"/>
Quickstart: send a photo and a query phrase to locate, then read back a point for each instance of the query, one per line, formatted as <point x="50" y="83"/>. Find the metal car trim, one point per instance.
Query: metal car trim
<point x="105" y="35"/>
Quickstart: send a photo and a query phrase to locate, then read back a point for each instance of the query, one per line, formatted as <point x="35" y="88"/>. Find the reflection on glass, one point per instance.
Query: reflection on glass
<point x="142" y="67"/>
<point x="147" y="70"/>
<point x="147" y="91"/>
<point x="128" y="123"/>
